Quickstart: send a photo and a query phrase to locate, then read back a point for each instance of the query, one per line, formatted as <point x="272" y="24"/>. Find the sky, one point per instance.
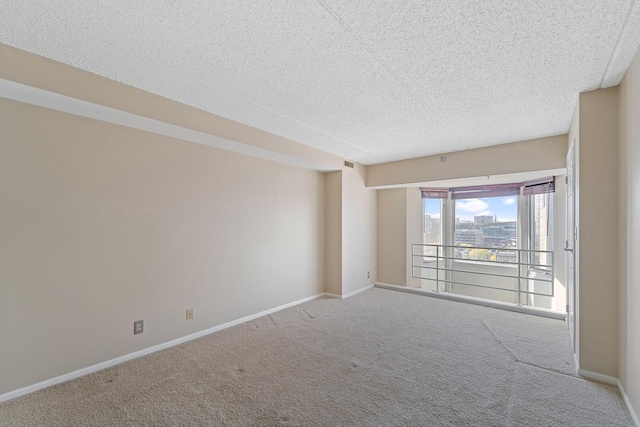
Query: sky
<point x="505" y="208"/>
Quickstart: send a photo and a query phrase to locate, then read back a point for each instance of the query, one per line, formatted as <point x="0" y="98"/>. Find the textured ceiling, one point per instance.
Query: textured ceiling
<point x="371" y="81"/>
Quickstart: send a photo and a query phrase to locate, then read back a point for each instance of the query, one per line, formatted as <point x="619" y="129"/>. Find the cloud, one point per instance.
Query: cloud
<point x="485" y="213"/>
<point x="472" y="205"/>
<point x="506" y="220"/>
<point x="508" y="201"/>
<point x="435" y="216"/>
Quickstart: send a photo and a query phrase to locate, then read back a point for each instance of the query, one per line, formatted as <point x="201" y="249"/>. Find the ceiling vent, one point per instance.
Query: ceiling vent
<point x="348" y="164"/>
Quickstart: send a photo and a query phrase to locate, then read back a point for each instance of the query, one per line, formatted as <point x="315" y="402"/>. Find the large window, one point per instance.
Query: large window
<point x="489" y="222"/>
<point x="541" y="228"/>
<point x="433" y="221"/>
<point x="493" y="222"/>
<point x="492" y="242"/>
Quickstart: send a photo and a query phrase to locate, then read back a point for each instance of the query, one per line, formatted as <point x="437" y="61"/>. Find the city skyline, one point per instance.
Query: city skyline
<point x="503" y="208"/>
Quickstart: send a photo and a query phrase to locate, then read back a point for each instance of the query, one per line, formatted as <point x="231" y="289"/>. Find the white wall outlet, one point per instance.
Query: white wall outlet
<point x="368" y="275"/>
<point x="138" y="327"/>
<point x="190" y="314"/>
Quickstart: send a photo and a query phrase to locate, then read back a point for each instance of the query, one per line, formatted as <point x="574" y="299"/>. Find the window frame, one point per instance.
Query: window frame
<point x="525" y="225"/>
<point x="531" y="243"/>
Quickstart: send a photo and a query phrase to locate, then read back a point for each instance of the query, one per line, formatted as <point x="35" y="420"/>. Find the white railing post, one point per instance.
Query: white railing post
<point x="519" y="271"/>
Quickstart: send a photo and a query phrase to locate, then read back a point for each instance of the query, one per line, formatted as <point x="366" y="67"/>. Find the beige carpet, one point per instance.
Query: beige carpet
<point x="378" y="358"/>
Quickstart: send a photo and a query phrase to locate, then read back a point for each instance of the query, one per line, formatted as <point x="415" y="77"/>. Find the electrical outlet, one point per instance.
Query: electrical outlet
<point x="368" y="275"/>
<point x="138" y="327"/>
<point x="190" y="314"/>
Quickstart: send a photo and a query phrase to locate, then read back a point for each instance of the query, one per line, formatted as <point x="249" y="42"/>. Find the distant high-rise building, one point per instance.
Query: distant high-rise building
<point x="511" y="227"/>
<point x="483" y="219"/>
<point x="495" y="236"/>
<point x="465" y="226"/>
<point x="470" y="237"/>
<point x="543" y="223"/>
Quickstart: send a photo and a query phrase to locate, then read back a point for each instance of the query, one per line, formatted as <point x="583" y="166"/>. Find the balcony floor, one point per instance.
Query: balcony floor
<point x="378" y="358"/>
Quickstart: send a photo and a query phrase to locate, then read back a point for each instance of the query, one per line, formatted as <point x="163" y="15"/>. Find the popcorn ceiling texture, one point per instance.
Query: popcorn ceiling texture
<point x="370" y="81"/>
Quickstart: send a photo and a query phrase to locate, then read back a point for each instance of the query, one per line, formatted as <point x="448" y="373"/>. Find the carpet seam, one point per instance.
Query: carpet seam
<point x="515" y="358"/>
<point x="551" y="370"/>
<point x="518" y="360"/>
<point x="305" y="312"/>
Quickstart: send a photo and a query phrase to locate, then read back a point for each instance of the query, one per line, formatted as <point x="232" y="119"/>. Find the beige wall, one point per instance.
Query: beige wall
<point x="359" y="228"/>
<point x="133" y="219"/>
<point x="102" y="225"/>
<point x="629" y="234"/>
<point x="597" y="222"/>
<point x="333" y="238"/>
<point x="414" y="232"/>
<point x="525" y="156"/>
<point x="392" y="236"/>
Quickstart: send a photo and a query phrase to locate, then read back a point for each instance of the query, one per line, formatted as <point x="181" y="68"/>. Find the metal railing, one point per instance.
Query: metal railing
<point x="524" y="265"/>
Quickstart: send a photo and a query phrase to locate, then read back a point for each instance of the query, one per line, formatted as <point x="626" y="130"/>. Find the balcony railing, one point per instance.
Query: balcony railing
<point x="486" y="272"/>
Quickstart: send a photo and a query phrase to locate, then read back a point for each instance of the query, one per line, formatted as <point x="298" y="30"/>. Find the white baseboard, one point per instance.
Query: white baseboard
<point x="357" y="291"/>
<point x="387" y="284"/>
<point x="350" y="294"/>
<point x="330" y="295"/>
<point x="627" y="402"/>
<point x="477" y="301"/>
<point x="118" y="360"/>
<point x="606" y="379"/>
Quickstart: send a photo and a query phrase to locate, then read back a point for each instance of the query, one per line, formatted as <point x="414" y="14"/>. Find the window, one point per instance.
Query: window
<point x="433" y="221"/>
<point x="488" y="222"/>
<point x="489" y="242"/>
<point x="541" y="228"/>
